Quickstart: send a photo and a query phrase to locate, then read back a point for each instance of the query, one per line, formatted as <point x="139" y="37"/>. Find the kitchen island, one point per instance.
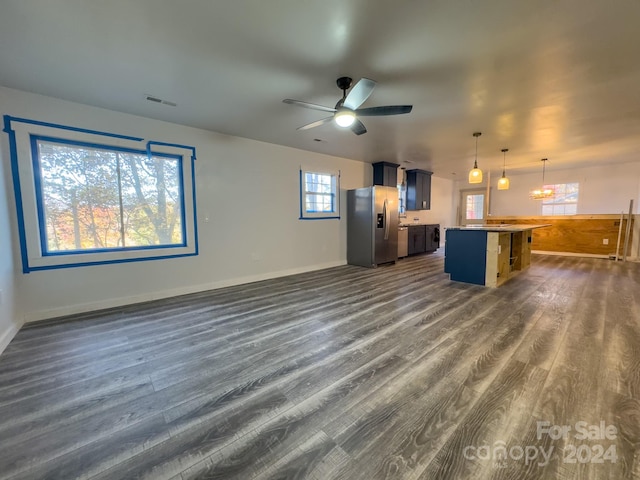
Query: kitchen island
<point x="487" y="254"/>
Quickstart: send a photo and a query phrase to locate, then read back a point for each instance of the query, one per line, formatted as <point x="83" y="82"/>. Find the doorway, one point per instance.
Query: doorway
<point x="473" y="207"/>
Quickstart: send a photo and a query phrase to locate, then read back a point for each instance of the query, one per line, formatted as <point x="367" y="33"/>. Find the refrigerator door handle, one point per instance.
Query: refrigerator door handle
<point x="385" y="211"/>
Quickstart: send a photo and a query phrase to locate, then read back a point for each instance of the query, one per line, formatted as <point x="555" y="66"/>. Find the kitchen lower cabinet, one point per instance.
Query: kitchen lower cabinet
<point x="432" y="238"/>
<point x="423" y="238"/>
<point x="417" y="239"/>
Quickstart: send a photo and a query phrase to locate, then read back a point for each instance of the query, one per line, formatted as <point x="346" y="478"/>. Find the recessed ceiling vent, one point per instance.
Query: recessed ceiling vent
<point x="154" y="99"/>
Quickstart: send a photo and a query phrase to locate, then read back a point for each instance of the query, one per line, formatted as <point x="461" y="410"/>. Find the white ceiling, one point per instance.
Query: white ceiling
<point x="544" y="78"/>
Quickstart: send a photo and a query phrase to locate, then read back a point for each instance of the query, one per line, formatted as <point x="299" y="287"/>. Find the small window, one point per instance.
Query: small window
<point x="564" y="200"/>
<point x="402" y="195"/>
<point x="320" y="195"/>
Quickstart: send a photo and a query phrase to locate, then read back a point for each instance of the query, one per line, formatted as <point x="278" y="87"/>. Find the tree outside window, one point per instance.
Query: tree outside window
<point x="93" y="198"/>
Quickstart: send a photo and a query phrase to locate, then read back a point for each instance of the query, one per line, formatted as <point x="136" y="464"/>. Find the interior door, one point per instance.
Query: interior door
<point x="473" y="207"/>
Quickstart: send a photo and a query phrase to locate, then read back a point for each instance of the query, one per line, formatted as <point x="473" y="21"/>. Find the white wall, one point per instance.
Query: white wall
<point x="603" y="190"/>
<point x="248" y="190"/>
<point x="10" y="320"/>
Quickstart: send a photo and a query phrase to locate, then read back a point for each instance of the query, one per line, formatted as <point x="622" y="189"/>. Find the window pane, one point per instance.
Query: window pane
<point x="150" y="200"/>
<point x="571" y="209"/>
<point x="475" y="207"/>
<point x="95" y="198"/>
<point x="319" y="203"/>
<point x="79" y="188"/>
<point x="318" y="183"/>
<point x="563" y="202"/>
<point x="319" y="193"/>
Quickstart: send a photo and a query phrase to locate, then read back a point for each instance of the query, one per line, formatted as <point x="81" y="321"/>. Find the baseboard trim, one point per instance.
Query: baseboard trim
<point x="175" y="292"/>
<point x="7" y="336"/>
<point x="570" y="254"/>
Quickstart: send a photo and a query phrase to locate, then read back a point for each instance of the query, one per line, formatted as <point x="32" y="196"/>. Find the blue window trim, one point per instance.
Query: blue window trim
<point x="40" y="202"/>
<point x="302" y="196"/>
<point x="17" y="192"/>
<point x="15" y="174"/>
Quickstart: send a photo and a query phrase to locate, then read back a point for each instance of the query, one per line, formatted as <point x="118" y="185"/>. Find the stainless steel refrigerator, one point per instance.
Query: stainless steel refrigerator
<point x="372" y="226"/>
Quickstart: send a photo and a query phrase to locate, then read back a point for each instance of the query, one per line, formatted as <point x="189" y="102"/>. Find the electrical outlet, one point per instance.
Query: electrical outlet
<point x="605" y="241"/>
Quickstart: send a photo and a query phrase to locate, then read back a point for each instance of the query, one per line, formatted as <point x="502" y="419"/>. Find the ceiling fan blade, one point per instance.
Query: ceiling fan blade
<point x="312" y="106"/>
<point x="358" y="127"/>
<point x="388" y="110"/>
<point x="359" y="93"/>
<point x="315" y="124"/>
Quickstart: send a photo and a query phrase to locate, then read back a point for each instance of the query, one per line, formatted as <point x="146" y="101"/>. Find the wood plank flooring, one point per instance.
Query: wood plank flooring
<point x="347" y="373"/>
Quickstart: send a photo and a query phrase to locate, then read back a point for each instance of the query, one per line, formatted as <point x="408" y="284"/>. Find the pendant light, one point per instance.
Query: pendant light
<point x="475" y="175"/>
<point x="503" y="183"/>
<point x="542" y="192"/>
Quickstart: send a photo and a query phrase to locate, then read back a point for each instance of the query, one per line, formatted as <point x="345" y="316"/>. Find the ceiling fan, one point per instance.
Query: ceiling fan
<point x="346" y="111"/>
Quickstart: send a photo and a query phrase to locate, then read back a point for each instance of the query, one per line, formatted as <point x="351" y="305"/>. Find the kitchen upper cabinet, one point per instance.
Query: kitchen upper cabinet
<point x="385" y="173"/>
<point x="418" y="190"/>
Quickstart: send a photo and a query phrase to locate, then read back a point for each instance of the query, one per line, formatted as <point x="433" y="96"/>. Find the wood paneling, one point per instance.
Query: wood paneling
<point x="343" y="374"/>
<point x="574" y="234"/>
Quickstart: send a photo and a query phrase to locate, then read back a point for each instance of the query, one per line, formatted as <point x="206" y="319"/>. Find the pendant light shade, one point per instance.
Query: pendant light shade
<point x="503" y="183"/>
<point x="475" y="175"/>
<point x="543" y="191"/>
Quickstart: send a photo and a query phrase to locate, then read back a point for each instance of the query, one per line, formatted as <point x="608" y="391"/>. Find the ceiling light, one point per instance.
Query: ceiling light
<point x="503" y="183"/>
<point x="545" y="191"/>
<point x="344" y="118"/>
<point x="475" y="175"/>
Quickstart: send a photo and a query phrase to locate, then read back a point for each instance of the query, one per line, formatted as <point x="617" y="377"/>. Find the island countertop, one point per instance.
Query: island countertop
<point x="488" y="254"/>
<point x="503" y="227"/>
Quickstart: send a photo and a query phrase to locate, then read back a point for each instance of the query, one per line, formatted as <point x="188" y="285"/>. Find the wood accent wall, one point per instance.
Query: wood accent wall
<point x="573" y="234"/>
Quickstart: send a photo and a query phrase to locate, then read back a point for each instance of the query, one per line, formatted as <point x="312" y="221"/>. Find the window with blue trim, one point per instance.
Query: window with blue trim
<point x="96" y="197"/>
<point x="85" y="197"/>
<point x="319" y="194"/>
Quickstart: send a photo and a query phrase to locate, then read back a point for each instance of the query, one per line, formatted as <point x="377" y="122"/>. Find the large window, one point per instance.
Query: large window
<point x="85" y="197"/>
<point x="92" y="197"/>
<point x="564" y="200"/>
<point x="319" y="195"/>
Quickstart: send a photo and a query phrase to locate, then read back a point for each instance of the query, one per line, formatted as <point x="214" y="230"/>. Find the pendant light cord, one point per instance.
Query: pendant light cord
<point x="475" y="163"/>
<point x="504" y="160"/>
<point x="544" y="164"/>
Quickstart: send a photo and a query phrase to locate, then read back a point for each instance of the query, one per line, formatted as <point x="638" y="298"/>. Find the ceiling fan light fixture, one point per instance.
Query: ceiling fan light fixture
<point x="503" y="183"/>
<point x="347" y="111"/>
<point x="475" y="175"/>
<point x="344" y="118"/>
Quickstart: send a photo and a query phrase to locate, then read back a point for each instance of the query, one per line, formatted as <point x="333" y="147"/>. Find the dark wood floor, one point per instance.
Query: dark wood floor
<point x="347" y="373"/>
